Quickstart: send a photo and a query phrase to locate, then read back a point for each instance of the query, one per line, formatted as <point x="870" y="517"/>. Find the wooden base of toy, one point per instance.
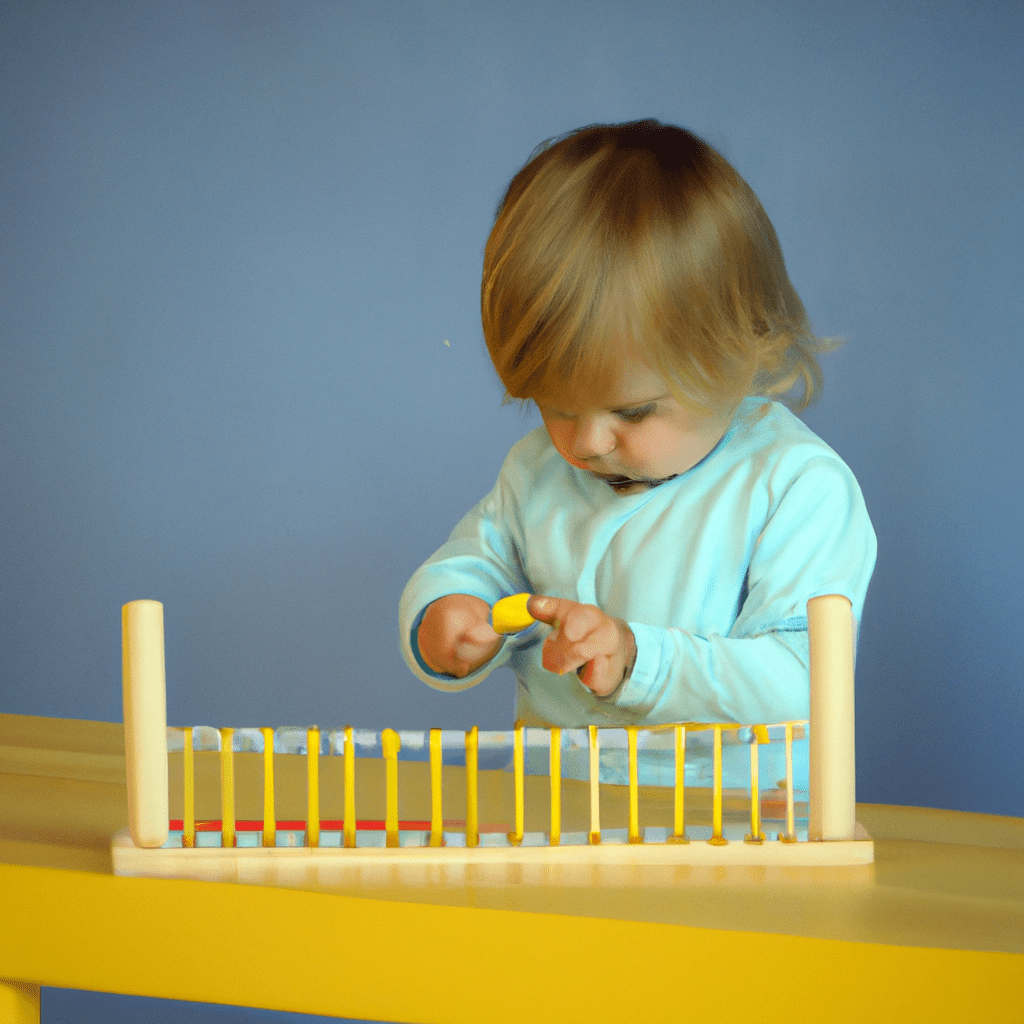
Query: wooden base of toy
<point x="531" y="865"/>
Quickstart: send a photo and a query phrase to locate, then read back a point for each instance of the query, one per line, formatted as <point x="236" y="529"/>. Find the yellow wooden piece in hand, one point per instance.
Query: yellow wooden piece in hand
<point x="509" y="615"/>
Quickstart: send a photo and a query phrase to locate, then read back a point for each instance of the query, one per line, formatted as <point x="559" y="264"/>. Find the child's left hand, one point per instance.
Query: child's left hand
<point x="583" y="635"/>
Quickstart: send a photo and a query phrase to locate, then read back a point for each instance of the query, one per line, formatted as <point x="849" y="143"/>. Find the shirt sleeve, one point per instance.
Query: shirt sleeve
<point x="480" y="558"/>
<point x="817" y="540"/>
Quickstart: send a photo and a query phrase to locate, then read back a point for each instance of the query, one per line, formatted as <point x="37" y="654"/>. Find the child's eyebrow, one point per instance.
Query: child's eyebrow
<point x="638" y="405"/>
<point x="617" y="408"/>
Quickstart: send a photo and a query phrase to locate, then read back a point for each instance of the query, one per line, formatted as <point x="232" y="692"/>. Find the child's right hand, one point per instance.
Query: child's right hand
<point x="455" y="635"/>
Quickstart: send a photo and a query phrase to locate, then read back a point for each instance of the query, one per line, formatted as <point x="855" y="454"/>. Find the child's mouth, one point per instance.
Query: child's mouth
<point x="620" y="483"/>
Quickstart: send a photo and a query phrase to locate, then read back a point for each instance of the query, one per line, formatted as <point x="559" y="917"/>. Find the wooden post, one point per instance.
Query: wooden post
<point x="833" y="778"/>
<point x="143" y="683"/>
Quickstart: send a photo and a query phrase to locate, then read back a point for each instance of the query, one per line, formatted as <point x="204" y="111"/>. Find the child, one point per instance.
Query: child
<point x="670" y="518"/>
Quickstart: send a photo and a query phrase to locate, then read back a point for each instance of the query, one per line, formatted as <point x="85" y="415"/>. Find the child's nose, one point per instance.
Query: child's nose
<point x="592" y="439"/>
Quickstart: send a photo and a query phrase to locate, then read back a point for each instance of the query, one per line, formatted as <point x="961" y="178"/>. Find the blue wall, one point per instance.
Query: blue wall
<point x="67" y="1006"/>
<point x="236" y="236"/>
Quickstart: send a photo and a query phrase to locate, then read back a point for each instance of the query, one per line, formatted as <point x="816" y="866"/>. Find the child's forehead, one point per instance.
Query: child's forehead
<point x="628" y="383"/>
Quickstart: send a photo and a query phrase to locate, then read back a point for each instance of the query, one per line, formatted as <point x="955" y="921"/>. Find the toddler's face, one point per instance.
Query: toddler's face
<point x="633" y="434"/>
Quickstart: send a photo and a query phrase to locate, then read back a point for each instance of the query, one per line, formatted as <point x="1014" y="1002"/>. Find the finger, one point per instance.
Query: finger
<point x="546" y="608"/>
<point x="481" y="634"/>
<point x="602" y="675"/>
<point x="563" y="659"/>
<point x="562" y="654"/>
<point x="571" y="619"/>
<point x="591" y="674"/>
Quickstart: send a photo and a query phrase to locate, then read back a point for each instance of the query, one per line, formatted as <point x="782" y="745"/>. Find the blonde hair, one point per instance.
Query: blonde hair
<point x="641" y="234"/>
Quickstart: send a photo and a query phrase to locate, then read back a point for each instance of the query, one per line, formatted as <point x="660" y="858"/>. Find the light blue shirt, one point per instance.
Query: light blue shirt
<point x="712" y="571"/>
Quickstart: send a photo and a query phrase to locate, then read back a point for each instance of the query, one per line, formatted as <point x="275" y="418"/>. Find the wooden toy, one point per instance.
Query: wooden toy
<point x="275" y="848"/>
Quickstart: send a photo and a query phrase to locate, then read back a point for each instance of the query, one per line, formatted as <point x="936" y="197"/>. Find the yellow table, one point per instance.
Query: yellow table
<point x="934" y="930"/>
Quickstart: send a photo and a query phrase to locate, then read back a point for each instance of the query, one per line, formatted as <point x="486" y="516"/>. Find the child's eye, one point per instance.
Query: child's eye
<point x="635" y="415"/>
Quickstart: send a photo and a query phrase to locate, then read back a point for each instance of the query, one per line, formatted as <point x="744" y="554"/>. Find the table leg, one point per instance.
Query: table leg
<point x="19" y="1003"/>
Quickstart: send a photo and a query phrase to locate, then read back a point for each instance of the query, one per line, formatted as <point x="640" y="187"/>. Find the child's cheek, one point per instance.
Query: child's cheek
<point x="657" y="443"/>
<point x="641" y="446"/>
<point x="561" y="439"/>
<point x="572" y="461"/>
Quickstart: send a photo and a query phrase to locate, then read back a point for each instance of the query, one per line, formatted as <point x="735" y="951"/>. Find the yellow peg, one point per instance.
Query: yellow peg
<point x="269" y="815"/>
<point x="717" y="839"/>
<point x="390" y="746"/>
<point x="594" y="836"/>
<point x="436" y="817"/>
<point x="634" y="789"/>
<point x="313" y="786"/>
<point x="472" y="787"/>
<point x="555" y="771"/>
<point x="679" y="832"/>
<point x="516" y="837"/>
<point x="755" y="835"/>
<point x="350" y="789"/>
<point x="188" y="824"/>
<point x="790" y="836"/>
<point x="227" y="788"/>
<point x="509" y="615"/>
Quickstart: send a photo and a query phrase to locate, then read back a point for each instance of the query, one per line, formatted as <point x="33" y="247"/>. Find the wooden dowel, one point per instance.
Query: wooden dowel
<point x="755" y="794"/>
<point x="390" y="746"/>
<point x="269" y="818"/>
<point x="472" y="790"/>
<point x="143" y="686"/>
<point x="313" y="787"/>
<point x="555" y="771"/>
<point x="790" y="836"/>
<point x="188" y="823"/>
<point x="594" y="836"/>
<point x="227" y="787"/>
<point x="516" y="836"/>
<point x="717" y="839"/>
<point x="679" y="801"/>
<point x="634" y="793"/>
<point x="833" y="775"/>
<point x="436" y="804"/>
<point x="350" y="789"/>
